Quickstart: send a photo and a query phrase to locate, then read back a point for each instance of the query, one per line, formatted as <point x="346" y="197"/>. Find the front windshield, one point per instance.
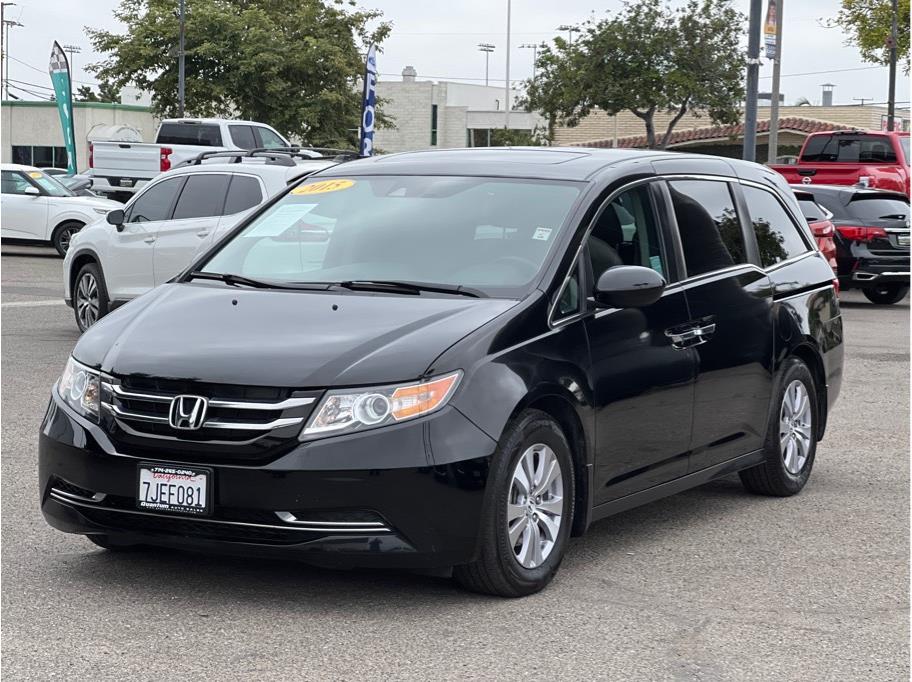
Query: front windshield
<point x="492" y="234"/>
<point x="50" y="185"/>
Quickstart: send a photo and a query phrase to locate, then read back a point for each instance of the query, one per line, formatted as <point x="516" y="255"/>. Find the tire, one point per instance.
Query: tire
<point x="90" y="296"/>
<point x="537" y="440"/>
<point x="888" y="294"/>
<point x="60" y="240"/>
<point x="789" y="458"/>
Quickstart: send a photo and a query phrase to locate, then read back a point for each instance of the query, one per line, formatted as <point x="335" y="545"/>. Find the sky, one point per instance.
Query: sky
<point x="440" y="41"/>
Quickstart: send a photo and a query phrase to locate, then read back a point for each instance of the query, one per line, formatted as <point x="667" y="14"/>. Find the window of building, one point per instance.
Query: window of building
<point x="40" y="155"/>
<point x="244" y="193"/>
<point x="777" y="236"/>
<point x="710" y="231"/>
<point x="203" y="196"/>
<point x="626" y="233"/>
<point x="433" y="125"/>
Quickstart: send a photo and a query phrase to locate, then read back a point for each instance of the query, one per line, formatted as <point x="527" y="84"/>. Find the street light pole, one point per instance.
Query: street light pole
<point x="507" y="103"/>
<point x="3" y="63"/>
<point x="774" y="104"/>
<point x="753" y="74"/>
<point x="534" y="48"/>
<point x="487" y="48"/>
<point x="180" y="65"/>
<point x="569" y="29"/>
<point x="72" y="49"/>
<point x="891" y="43"/>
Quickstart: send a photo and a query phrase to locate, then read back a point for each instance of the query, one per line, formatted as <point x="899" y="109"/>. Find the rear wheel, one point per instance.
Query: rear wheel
<point x="90" y="296"/>
<point x="62" y="235"/>
<point x="791" y="440"/>
<point x="887" y="294"/>
<point x="527" y="524"/>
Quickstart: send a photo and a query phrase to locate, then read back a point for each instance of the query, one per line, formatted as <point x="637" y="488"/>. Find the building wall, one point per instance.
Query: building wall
<point x="600" y="126"/>
<point x="38" y="124"/>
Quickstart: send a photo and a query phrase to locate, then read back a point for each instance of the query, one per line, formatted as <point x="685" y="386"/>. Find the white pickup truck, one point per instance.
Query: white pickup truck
<point x="119" y="169"/>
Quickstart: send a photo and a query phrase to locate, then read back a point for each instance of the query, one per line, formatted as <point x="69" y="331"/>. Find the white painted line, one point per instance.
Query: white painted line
<point x="28" y="304"/>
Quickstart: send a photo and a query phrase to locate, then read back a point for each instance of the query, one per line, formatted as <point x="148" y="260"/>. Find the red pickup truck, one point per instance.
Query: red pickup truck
<point x="869" y="158"/>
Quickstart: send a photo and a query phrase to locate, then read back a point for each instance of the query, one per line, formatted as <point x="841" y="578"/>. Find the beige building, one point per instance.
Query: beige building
<point x="445" y="114"/>
<point x="697" y="133"/>
<point x="30" y="132"/>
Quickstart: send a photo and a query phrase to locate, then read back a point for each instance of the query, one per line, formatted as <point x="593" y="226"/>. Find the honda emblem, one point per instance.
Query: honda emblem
<point x="188" y="412"/>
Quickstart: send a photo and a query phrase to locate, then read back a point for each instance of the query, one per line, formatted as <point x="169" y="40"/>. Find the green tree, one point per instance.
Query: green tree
<point x="294" y="64"/>
<point x="645" y="59"/>
<point x="107" y="92"/>
<point x="867" y="24"/>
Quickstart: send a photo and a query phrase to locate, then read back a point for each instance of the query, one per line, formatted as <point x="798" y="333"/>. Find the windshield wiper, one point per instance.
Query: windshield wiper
<point x="402" y="287"/>
<point x="240" y="280"/>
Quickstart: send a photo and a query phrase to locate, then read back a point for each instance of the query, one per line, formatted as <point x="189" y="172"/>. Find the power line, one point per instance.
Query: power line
<point x="819" y="73"/>
<point x="35" y="68"/>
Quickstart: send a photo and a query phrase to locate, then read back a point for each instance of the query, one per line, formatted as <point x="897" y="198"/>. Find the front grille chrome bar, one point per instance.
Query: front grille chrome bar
<point x="120" y="392"/>
<point x="209" y="424"/>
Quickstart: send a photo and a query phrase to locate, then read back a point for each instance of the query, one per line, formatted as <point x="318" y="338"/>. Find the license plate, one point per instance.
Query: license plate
<point x="177" y="489"/>
<point x="126" y="182"/>
<point x="903" y="240"/>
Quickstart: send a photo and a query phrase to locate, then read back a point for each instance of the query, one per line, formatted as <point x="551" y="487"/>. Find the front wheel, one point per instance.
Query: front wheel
<point x="63" y="234"/>
<point x="791" y="440"/>
<point x="526" y="525"/>
<point x="90" y="296"/>
<point x="888" y="294"/>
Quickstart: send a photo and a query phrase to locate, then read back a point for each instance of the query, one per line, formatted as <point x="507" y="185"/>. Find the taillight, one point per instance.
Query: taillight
<point x="822" y="229"/>
<point x="164" y="163"/>
<point x="91" y="155"/>
<point x="836" y="285"/>
<point x="861" y="234"/>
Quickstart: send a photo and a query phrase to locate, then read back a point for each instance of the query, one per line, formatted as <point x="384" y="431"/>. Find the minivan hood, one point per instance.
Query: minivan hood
<point x="210" y="332"/>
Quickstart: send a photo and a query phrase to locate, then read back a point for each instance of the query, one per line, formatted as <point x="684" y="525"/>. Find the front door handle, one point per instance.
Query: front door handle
<point x="149" y="240"/>
<point x="688" y="336"/>
<point x="202" y="233"/>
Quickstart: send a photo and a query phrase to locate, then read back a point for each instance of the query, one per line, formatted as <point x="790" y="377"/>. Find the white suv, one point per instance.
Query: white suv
<point x="176" y="216"/>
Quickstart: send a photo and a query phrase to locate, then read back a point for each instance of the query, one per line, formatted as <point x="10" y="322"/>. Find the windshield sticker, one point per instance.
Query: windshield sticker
<point x="36" y="174"/>
<point x="323" y="186"/>
<point x="542" y="233"/>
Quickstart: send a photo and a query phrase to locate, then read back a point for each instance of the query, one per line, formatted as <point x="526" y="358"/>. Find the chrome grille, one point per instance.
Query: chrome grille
<point x="235" y="415"/>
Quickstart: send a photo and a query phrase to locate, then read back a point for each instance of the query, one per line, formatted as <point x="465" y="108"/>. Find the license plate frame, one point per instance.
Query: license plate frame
<point x="177" y="473"/>
<point x="125" y="182"/>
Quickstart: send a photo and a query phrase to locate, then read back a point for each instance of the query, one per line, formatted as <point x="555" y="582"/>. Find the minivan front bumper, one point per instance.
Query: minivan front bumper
<point x="409" y="495"/>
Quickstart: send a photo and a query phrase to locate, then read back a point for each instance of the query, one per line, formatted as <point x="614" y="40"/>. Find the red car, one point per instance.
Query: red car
<point x="821" y="224"/>
<point x="852" y="157"/>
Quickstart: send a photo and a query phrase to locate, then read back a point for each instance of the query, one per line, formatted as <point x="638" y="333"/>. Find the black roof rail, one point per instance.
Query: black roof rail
<point x="283" y="156"/>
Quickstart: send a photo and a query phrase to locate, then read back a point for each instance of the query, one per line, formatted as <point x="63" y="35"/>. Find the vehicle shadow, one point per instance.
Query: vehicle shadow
<point x="30" y="252"/>
<point x="200" y="578"/>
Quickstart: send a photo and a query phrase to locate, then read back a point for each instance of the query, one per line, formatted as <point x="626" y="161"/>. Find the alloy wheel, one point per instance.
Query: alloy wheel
<point x="535" y="505"/>
<point x="65" y="236"/>
<point x="87" y="300"/>
<point x="795" y="427"/>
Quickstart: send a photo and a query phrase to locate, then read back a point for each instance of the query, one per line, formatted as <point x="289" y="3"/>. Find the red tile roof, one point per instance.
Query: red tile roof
<point x="792" y="123"/>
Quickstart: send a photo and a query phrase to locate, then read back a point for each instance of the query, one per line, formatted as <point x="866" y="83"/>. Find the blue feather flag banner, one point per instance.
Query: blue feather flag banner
<point x="369" y="102"/>
<point x="63" y="93"/>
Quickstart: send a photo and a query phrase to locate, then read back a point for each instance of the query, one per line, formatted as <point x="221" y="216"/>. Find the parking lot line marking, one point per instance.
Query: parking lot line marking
<point x="26" y="304"/>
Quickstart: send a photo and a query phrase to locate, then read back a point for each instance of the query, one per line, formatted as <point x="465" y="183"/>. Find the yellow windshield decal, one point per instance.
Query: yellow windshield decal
<point x="323" y="186"/>
<point x="36" y="174"/>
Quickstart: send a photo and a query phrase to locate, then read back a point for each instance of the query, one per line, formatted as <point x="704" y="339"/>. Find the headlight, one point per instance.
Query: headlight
<point x="80" y="388"/>
<point x="356" y="409"/>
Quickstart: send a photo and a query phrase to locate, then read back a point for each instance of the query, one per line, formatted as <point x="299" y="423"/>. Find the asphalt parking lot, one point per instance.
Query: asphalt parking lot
<point x="713" y="584"/>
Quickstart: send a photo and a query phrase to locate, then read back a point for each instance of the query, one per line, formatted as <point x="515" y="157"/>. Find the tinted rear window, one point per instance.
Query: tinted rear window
<point x="849" y="149"/>
<point x="203" y="196"/>
<point x="242" y="136"/>
<point x="810" y="210"/>
<point x="875" y="208"/>
<point x="243" y="193"/>
<point x="202" y="134"/>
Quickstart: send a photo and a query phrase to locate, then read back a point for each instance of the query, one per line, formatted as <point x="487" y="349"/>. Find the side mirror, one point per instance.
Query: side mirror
<point x="32" y="191"/>
<point x="116" y="218"/>
<point x="628" y="286"/>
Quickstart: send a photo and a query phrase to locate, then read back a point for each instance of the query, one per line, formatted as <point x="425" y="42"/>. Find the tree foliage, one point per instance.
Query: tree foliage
<point x="107" y="92"/>
<point x="868" y="24"/>
<point x="646" y="59"/>
<point x="294" y="64"/>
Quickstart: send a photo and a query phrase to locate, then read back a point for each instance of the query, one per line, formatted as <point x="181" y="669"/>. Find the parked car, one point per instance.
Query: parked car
<point x="872" y="239"/>
<point x="122" y="168"/>
<point x="39" y="209"/>
<point x="157" y="234"/>
<point x="78" y="183"/>
<point x="852" y="157"/>
<point x="495" y="348"/>
<point x="819" y="220"/>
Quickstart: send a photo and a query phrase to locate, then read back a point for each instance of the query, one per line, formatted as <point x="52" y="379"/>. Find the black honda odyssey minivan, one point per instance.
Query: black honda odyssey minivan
<point x="455" y="359"/>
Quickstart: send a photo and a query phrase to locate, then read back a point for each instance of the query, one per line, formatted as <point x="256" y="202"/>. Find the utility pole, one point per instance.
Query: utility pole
<point x="72" y="49"/>
<point x="487" y="48"/>
<point x="180" y="65"/>
<point x="774" y="104"/>
<point x="534" y="48"/>
<point x="753" y="73"/>
<point x="863" y="99"/>
<point x="4" y="71"/>
<point x="507" y="102"/>
<point x="891" y="43"/>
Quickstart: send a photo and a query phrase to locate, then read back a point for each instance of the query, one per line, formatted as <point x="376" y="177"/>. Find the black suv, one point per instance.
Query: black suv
<point x="872" y="239"/>
<point x="455" y="359"/>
